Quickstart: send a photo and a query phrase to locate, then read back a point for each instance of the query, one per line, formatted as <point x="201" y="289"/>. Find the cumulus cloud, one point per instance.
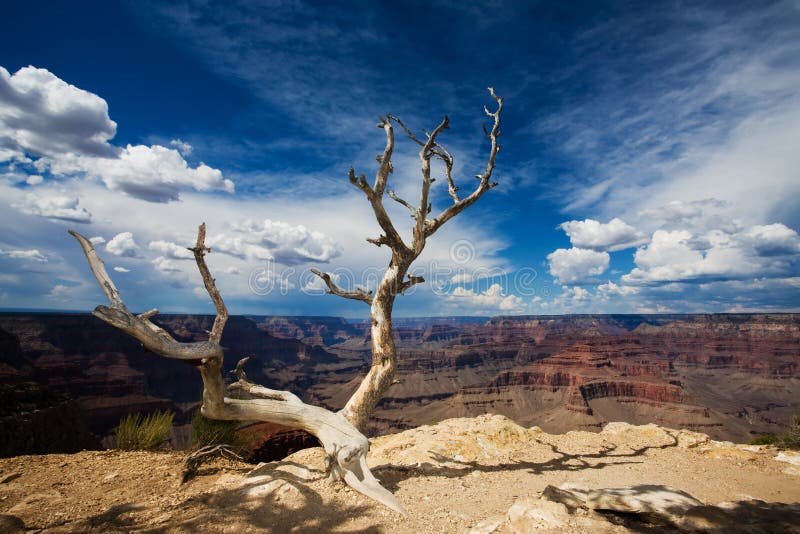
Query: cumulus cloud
<point x="60" y="292"/>
<point x="275" y="240"/>
<point x="577" y="265"/>
<point x="68" y="131"/>
<point x="97" y="240"/>
<point x="123" y="244"/>
<point x="54" y="205"/>
<point x="42" y="115"/>
<point x="31" y="255"/>
<point x="171" y="250"/>
<point x="490" y="300"/>
<point x="592" y="234"/>
<point x="152" y="173"/>
<point x="762" y="251"/>
<point x="165" y="265"/>
<point x="122" y="270"/>
<point x="697" y="215"/>
<point x="774" y="240"/>
<point x="182" y="146"/>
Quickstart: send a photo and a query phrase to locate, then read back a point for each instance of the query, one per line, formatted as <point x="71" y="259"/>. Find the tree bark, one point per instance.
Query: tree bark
<point x="373" y="387"/>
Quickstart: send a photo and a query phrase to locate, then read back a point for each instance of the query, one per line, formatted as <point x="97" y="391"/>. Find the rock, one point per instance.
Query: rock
<point x="753" y="517"/>
<point x="566" y="495"/>
<point x="110" y="477"/>
<point x="529" y="515"/>
<point x="689" y="440"/>
<point x="649" y="430"/>
<point x="661" y="501"/>
<point x="725" y="452"/>
<point x="4" y="479"/>
<point x="540" y="515"/>
<point x="794" y="471"/>
<point x="35" y="502"/>
<point x="487" y="526"/>
<point x="11" y="524"/>
<point x="299" y="471"/>
<point x="788" y="456"/>
<point x="452" y="443"/>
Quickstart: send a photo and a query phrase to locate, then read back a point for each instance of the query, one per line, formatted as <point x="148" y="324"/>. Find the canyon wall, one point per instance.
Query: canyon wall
<point x="731" y="376"/>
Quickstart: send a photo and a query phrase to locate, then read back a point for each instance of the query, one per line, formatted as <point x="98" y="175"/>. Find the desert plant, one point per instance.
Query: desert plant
<point x="765" y="439"/>
<point x="791" y="438"/>
<point x="207" y="431"/>
<point x="143" y="433"/>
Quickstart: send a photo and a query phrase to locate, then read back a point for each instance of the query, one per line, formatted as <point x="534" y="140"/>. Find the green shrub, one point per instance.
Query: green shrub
<point x="207" y="431"/>
<point x="791" y="438"/>
<point x="137" y="433"/>
<point x="765" y="439"/>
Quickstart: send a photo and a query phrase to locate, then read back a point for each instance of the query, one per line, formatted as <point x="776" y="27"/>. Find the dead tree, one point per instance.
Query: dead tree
<point x="396" y="279"/>
<point x="340" y="433"/>
<point x="345" y="447"/>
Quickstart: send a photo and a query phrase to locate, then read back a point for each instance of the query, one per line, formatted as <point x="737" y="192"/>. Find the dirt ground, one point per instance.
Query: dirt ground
<point x="450" y="477"/>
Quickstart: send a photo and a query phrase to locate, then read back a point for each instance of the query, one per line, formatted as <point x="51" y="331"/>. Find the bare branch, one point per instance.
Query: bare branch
<point x="360" y="181"/>
<point x="425" y="156"/>
<point x="99" y="271"/>
<point x="152" y="337"/>
<point x="412" y="209"/>
<point x="199" y="251"/>
<point x="412" y="280"/>
<point x="385" y="159"/>
<point x="356" y="294"/>
<point x="381" y="240"/>
<point x="432" y="225"/>
<point x="239" y="371"/>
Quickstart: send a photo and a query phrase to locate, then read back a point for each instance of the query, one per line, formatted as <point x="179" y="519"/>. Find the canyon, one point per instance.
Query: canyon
<point x="731" y="376"/>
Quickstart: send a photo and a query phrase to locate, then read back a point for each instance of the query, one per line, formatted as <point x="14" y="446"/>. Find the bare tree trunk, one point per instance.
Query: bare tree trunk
<point x="380" y="377"/>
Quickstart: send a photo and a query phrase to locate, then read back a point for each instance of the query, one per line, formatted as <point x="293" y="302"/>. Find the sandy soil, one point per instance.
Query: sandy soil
<point x="449" y="476"/>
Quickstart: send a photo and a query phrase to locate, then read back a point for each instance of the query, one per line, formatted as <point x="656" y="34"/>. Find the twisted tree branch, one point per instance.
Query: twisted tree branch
<point x="355" y="294"/>
<point x="200" y="251"/>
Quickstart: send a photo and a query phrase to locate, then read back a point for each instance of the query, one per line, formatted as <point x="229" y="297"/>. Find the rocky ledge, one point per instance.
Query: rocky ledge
<point x="480" y="475"/>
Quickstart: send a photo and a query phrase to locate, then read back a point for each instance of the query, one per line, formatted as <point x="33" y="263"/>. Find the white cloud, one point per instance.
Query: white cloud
<point x="492" y="299"/>
<point x="42" y="115"/>
<point x="122" y="270"/>
<point x="123" y="244"/>
<point x="68" y="130"/>
<point x="97" y="240"/>
<point x="275" y="240"/>
<point x="60" y="292"/>
<point x="610" y="289"/>
<point x="592" y="234"/>
<point x="32" y="255"/>
<point x="153" y="173"/>
<point x="762" y="251"/>
<point x="232" y="270"/>
<point x="171" y="250"/>
<point x="182" y="146"/>
<point x="577" y="265"/>
<point x="34" y="179"/>
<point x="165" y="265"/>
<point x="774" y="240"/>
<point x="54" y="205"/>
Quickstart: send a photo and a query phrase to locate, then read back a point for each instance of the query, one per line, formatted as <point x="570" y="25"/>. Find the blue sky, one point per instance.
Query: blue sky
<point x="649" y="158"/>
